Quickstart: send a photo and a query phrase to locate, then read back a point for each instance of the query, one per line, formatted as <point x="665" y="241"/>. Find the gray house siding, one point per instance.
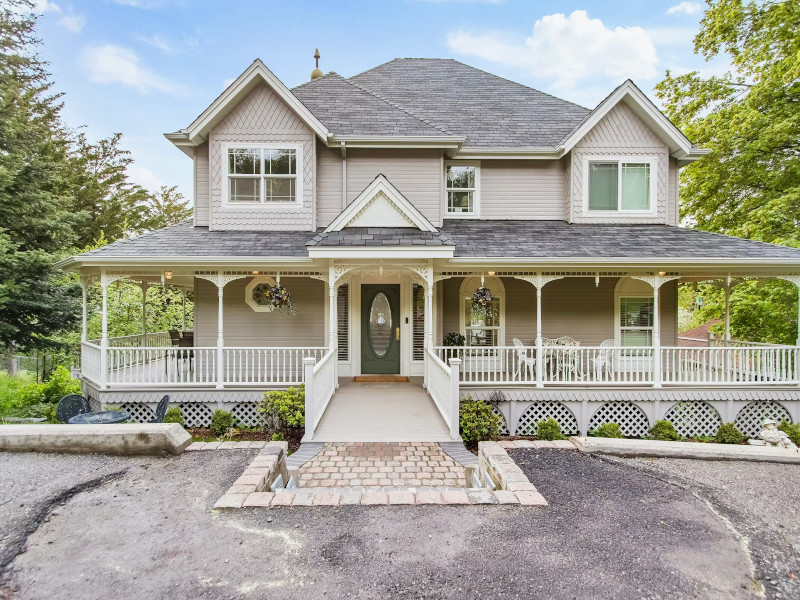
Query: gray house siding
<point x="522" y="189"/>
<point x="245" y="327"/>
<point x="201" y="183"/>
<point x="261" y="117"/>
<point x="621" y="133"/>
<point x="329" y="183"/>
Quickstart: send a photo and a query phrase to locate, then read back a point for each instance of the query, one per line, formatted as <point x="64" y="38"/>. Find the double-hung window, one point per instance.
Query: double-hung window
<point x="636" y="321"/>
<point x="262" y="174"/>
<point x="461" y="185"/>
<point x="620" y="186"/>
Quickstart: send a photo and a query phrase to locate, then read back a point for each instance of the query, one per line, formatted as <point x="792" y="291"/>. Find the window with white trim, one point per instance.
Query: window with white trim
<point x="636" y="321"/>
<point x="620" y="186"/>
<point x="262" y="174"/>
<point x="461" y="185"/>
<point x="343" y="321"/>
<point x="418" y="322"/>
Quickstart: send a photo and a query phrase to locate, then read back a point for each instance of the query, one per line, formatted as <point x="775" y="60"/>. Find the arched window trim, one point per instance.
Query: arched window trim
<point x="628" y="287"/>
<point x="468" y="287"/>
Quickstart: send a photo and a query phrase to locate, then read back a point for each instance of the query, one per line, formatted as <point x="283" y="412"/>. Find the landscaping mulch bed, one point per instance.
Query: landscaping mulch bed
<point x="204" y="434"/>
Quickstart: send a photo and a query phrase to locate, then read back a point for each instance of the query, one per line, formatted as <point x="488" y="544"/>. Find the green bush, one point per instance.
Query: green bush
<point x="221" y="422"/>
<point x="283" y="410"/>
<point x="664" y="431"/>
<point x="20" y="397"/>
<point x="793" y="431"/>
<point x="608" y="430"/>
<point x="476" y="421"/>
<point x="728" y="434"/>
<point x="174" y="415"/>
<point x="549" y="430"/>
<point x="278" y="437"/>
<point x="59" y="385"/>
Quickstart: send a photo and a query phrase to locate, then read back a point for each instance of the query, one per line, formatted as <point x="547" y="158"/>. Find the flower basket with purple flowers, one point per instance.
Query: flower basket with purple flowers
<point x="280" y="298"/>
<point x="482" y="299"/>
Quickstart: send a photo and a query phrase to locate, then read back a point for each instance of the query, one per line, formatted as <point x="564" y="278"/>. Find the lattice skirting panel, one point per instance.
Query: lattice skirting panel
<point x="694" y="419"/>
<point x="630" y="418"/>
<point x="750" y="417"/>
<point x="540" y="411"/>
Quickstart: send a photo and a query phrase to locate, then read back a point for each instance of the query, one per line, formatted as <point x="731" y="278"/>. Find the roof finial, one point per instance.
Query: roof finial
<point x="316" y="72"/>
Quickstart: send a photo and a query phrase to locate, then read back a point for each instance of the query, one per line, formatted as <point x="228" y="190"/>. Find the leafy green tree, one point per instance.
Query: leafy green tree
<point x="749" y="185"/>
<point x="34" y="299"/>
<point x="167" y="207"/>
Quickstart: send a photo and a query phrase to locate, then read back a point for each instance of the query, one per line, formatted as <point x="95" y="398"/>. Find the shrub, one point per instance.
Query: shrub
<point x="59" y="385"/>
<point x="549" y="430"/>
<point x="476" y="421"/>
<point x="278" y="437"/>
<point x="283" y="410"/>
<point x="664" y="431"/>
<point x="608" y="430"/>
<point x="793" y="431"/>
<point x="174" y="415"/>
<point x="22" y="398"/>
<point x="454" y="339"/>
<point x="728" y="434"/>
<point x="221" y="422"/>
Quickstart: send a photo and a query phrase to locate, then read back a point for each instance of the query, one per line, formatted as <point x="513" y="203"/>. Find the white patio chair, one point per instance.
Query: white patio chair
<point x="523" y="360"/>
<point x="603" y="358"/>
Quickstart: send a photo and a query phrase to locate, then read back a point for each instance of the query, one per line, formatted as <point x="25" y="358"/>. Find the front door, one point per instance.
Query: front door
<point x="380" y="329"/>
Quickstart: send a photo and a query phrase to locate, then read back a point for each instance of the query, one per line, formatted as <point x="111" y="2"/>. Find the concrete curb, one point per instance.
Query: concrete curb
<point x="697" y="451"/>
<point x="124" y="439"/>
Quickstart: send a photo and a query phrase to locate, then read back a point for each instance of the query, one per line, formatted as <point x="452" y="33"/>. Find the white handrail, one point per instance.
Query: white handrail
<point x="443" y="388"/>
<point x="320" y="385"/>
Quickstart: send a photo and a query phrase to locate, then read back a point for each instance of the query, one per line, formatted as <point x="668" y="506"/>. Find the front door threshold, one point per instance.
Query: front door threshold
<point x="380" y="379"/>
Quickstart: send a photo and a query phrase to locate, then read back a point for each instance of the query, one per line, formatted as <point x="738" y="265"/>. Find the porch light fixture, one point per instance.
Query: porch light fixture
<point x="490" y="273"/>
<point x="167" y="274"/>
<point x="662" y="273"/>
<point x="255" y="272"/>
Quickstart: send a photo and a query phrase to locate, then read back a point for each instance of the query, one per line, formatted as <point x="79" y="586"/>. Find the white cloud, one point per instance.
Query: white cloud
<point x="43" y="6"/>
<point x="149" y="4"/>
<point x="72" y="22"/>
<point x="685" y="8"/>
<point x="567" y="50"/>
<point x="170" y="46"/>
<point x="115" y="64"/>
<point x="145" y="178"/>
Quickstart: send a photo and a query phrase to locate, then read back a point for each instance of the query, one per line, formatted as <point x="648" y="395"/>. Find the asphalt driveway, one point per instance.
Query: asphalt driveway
<point x="101" y="527"/>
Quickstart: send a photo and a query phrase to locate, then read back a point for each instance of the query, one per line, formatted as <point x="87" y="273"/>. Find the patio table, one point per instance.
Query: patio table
<point x="101" y="417"/>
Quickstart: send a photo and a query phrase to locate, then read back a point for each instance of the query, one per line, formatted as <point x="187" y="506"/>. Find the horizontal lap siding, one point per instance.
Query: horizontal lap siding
<point x="329" y="184"/>
<point x="245" y="327"/>
<point x="201" y="195"/>
<point x="416" y="173"/>
<point x="522" y="189"/>
<point x="570" y="306"/>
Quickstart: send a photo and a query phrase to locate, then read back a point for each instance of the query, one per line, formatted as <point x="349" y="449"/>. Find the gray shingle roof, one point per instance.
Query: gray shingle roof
<point x="534" y="239"/>
<point x="184" y="239"/>
<point x="380" y="236"/>
<point x="559" y="239"/>
<point x="347" y="109"/>
<point x="488" y="110"/>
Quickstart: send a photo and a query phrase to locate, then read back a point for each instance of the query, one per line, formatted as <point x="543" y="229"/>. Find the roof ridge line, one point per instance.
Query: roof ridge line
<point x="313" y="80"/>
<point x="397" y="106"/>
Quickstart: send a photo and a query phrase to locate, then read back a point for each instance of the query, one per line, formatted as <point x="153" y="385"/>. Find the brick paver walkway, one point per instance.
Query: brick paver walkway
<point x="375" y="464"/>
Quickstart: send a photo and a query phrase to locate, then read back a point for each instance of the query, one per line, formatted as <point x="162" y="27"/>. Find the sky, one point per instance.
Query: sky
<point x="146" y="67"/>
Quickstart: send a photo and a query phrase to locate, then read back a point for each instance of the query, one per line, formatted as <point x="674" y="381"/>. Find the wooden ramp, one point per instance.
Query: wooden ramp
<point x="381" y="412"/>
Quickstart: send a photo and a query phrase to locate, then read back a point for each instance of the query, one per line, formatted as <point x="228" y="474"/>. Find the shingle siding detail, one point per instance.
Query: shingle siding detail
<point x="621" y="133"/>
<point x="201" y="185"/>
<point x="261" y="118"/>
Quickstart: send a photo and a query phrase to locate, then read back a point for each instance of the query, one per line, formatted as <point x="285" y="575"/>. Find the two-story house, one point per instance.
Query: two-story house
<point x="425" y="203"/>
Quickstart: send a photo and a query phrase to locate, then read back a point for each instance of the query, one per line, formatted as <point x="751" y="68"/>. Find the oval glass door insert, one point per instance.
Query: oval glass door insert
<point x="380" y="325"/>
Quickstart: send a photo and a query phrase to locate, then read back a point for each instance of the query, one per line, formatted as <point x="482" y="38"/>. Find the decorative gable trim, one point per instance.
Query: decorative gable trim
<point x="256" y="73"/>
<point x="680" y="147"/>
<point x="380" y="204"/>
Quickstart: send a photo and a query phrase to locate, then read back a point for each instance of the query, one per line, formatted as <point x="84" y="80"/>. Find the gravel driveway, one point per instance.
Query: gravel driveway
<point x="101" y="527"/>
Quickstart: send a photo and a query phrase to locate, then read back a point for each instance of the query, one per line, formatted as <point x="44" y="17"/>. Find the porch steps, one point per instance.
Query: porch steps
<point x="381" y="412"/>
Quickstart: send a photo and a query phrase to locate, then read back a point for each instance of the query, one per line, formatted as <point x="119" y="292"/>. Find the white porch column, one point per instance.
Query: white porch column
<point x="727" y="311"/>
<point x="220" y="337"/>
<point x="104" y="283"/>
<point x="539" y="345"/>
<point x="333" y="320"/>
<point x="656" y="335"/>
<point x="429" y="306"/>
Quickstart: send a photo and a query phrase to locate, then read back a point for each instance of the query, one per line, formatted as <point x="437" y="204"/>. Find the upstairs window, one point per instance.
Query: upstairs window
<point x="461" y="183"/>
<point x="262" y="174"/>
<point x="620" y="186"/>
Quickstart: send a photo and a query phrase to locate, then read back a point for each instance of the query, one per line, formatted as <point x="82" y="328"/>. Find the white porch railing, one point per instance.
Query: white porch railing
<point x="626" y="365"/>
<point x="90" y="361"/>
<point x="131" y="367"/>
<point x="442" y="382"/>
<point x="159" y="339"/>
<point x="320" y="381"/>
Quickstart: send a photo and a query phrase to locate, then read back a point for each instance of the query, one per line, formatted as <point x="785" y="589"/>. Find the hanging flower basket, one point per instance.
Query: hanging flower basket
<point x="482" y="299"/>
<point x="280" y="299"/>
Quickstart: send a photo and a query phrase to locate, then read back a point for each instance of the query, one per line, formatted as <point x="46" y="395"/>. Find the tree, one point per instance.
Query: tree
<point x="749" y="185"/>
<point x="33" y="191"/>
<point x="167" y="207"/>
